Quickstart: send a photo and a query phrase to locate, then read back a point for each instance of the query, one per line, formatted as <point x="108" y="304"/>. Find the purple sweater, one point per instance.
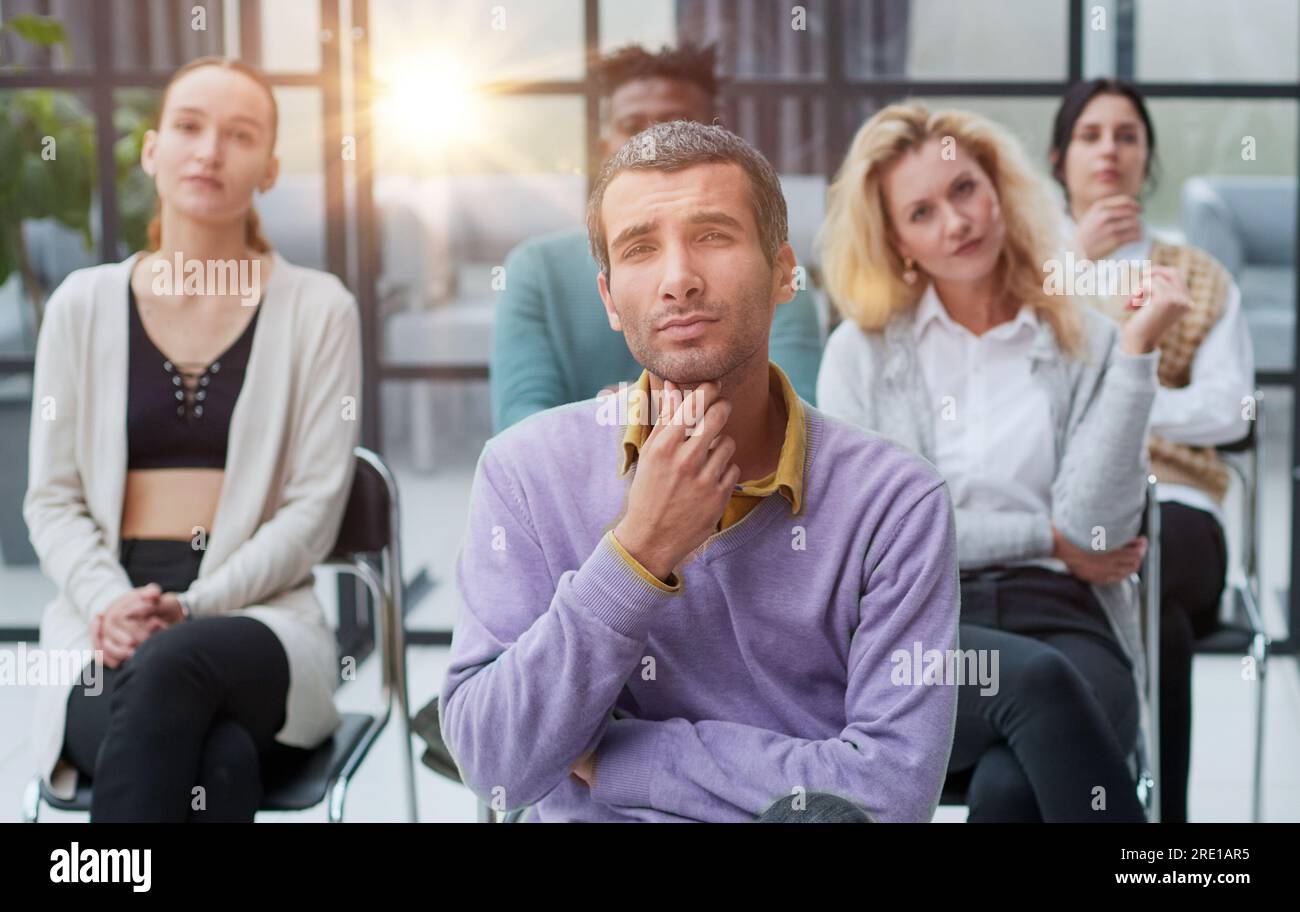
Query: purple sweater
<point x="772" y="671"/>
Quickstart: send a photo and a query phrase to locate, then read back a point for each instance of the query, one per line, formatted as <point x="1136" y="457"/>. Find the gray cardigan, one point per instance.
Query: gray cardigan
<point x="1100" y="405"/>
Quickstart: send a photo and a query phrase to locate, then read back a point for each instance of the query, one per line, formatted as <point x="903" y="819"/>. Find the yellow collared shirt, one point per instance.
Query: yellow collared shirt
<point x="787" y="478"/>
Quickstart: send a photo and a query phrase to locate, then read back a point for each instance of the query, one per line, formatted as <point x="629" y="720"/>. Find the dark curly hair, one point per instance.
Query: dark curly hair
<point x="687" y="62"/>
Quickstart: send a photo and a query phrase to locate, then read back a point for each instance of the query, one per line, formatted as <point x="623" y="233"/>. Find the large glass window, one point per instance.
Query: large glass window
<point x="485" y="134"/>
<point x="953" y="39"/>
<point x="1208" y="41"/>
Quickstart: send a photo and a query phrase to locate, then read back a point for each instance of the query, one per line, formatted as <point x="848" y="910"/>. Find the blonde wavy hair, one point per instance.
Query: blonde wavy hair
<point x="864" y="273"/>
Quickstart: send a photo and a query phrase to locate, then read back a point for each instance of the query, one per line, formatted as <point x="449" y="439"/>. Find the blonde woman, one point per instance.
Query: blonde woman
<point x="1034" y="411"/>
<point x="191" y="455"/>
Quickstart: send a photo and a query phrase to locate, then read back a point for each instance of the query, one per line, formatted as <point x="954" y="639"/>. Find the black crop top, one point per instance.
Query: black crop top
<point x="178" y="415"/>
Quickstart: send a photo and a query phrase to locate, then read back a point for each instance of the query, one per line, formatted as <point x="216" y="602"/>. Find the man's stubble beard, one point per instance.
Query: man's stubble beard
<point x="690" y="366"/>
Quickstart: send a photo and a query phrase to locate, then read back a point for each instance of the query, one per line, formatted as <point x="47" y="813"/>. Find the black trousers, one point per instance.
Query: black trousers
<point x="185" y="728"/>
<point x="1193" y="568"/>
<point x="1052" y="743"/>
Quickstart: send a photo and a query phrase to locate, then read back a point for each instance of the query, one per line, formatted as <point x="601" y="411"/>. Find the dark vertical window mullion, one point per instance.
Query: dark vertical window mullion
<point x="217" y="12"/>
<point x="836" y="102"/>
<point x="180" y="46"/>
<point x="331" y="77"/>
<point x="367" y="231"/>
<point x="105" y="133"/>
<point x="355" y="633"/>
<point x="1125" y="40"/>
<point x="591" y="94"/>
<point x="250" y="31"/>
<point x="145" y="38"/>
<point x="45" y="55"/>
<point x="1074" y="66"/>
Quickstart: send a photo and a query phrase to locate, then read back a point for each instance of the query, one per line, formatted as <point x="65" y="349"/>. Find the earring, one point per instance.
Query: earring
<point x="909" y="271"/>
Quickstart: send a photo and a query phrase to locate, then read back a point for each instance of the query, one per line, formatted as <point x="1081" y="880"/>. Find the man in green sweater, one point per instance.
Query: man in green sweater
<point x="552" y="343"/>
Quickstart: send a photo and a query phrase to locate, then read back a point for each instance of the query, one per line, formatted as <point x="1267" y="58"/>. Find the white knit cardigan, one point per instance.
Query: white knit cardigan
<point x="288" y="471"/>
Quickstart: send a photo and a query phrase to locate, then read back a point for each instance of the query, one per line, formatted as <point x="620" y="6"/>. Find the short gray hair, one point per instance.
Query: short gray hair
<point x="683" y="144"/>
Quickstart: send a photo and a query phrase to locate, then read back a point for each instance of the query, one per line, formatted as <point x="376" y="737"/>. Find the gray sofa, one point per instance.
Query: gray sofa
<point x="1249" y="224"/>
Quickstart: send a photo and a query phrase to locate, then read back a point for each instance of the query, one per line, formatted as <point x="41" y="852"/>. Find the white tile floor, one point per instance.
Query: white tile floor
<point x="433" y="506"/>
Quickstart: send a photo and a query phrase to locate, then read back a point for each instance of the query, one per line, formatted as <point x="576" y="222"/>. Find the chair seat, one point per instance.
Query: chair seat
<point x="305" y="786"/>
<point x="1225" y="640"/>
<point x="955" y="787"/>
<point x="80" y="800"/>
<point x="297" y="789"/>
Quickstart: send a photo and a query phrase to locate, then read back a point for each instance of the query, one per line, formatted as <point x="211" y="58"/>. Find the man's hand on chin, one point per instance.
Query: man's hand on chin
<point x="585" y="768"/>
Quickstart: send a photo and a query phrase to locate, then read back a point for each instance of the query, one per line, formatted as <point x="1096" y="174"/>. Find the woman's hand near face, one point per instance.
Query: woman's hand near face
<point x="1159" y="305"/>
<point x="127" y="623"/>
<point x="1109" y="224"/>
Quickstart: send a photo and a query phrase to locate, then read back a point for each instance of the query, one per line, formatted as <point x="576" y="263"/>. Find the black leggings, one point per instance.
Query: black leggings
<point x="1065" y="714"/>
<point x="1193" y="566"/>
<point x="185" y="728"/>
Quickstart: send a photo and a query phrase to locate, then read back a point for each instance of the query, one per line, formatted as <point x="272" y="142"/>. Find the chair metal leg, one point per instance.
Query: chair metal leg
<point x="397" y="662"/>
<point x="338" y="794"/>
<point x="1259" y="648"/>
<point x="32" y="802"/>
<point x="1144" y="791"/>
<point x="408" y="762"/>
<point x="485" y="813"/>
<point x="1151" y="606"/>
<point x="390" y="609"/>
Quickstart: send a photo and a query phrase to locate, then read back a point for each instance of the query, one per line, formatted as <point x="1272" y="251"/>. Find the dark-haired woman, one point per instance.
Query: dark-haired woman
<point x="191" y="455"/>
<point x="1103" y="149"/>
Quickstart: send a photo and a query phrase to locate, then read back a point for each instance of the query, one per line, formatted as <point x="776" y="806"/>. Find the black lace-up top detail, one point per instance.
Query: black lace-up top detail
<point x="178" y="414"/>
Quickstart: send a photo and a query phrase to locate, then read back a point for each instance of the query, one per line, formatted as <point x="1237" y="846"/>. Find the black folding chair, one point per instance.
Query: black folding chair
<point x="1242" y="631"/>
<point x="368" y="548"/>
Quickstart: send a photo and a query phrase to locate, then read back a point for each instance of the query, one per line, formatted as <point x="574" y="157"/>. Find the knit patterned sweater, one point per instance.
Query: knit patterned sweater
<point x="1208" y="283"/>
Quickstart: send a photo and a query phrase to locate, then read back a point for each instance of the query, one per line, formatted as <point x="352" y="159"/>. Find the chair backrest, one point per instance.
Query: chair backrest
<point x="1244" y="459"/>
<point x="367" y="525"/>
<point x="1148" y="574"/>
<point x="1243" y="445"/>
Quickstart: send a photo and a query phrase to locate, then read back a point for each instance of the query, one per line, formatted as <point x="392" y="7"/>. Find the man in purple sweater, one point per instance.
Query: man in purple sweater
<point x="701" y="599"/>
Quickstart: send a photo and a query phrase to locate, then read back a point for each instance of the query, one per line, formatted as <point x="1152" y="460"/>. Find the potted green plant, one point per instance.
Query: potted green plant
<point x="47" y="144"/>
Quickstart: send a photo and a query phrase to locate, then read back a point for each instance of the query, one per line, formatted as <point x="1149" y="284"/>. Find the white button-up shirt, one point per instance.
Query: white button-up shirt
<point x="993" y="436"/>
